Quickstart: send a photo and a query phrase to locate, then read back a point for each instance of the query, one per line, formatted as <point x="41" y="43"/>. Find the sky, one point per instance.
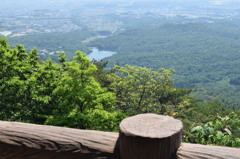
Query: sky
<point x="25" y="4"/>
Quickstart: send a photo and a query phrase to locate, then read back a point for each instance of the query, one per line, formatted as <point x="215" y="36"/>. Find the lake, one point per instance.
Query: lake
<point x="99" y="55"/>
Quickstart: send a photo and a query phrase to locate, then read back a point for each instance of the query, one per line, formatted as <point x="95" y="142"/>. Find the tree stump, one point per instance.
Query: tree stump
<point x="149" y="136"/>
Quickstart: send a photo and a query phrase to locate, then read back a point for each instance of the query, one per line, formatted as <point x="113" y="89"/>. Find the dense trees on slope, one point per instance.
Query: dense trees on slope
<point x="204" y="55"/>
<point x="80" y="94"/>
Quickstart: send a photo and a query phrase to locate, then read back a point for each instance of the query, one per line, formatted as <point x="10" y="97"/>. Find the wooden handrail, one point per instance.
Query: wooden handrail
<point x="197" y="151"/>
<point x="31" y="141"/>
<point x="28" y="141"/>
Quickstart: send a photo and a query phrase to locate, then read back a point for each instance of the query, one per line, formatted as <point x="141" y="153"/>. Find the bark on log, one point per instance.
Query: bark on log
<point x="196" y="151"/>
<point x="30" y="141"/>
<point x="149" y="136"/>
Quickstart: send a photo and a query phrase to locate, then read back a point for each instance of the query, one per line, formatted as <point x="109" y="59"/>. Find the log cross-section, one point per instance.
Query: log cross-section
<point x="150" y="136"/>
<point x="30" y="141"/>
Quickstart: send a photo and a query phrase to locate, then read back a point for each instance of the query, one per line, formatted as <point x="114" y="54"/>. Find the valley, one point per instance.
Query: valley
<point x="199" y="40"/>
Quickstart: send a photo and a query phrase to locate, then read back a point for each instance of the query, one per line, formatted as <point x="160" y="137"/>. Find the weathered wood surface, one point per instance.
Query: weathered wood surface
<point x="149" y="136"/>
<point x="197" y="151"/>
<point x="30" y="141"/>
<point x="140" y="138"/>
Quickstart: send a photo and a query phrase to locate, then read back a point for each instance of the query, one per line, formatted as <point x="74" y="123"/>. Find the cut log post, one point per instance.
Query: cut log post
<point x="30" y="141"/>
<point x="149" y="136"/>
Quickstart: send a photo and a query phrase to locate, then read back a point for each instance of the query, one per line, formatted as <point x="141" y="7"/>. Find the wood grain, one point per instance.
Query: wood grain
<point x="141" y="137"/>
<point x="197" y="151"/>
<point x="30" y="141"/>
<point x="149" y="136"/>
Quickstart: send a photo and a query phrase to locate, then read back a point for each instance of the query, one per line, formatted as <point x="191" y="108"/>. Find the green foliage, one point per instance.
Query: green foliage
<point x="50" y="93"/>
<point x="223" y="131"/>
<point x="81" y="94"/>
<point x="142" y="90"/>
<point x="103" y="120"/>
<point x="3" y="42"/>
<point x="103" y="76"/>
<point x="81" y="98"/>
<point x="26" y="85"/>
<point x="202" y="113"/>
<point x="205" y="56"/>
<point x="198" y="114"/>
<point x="62" y="57"/>
<point x="95" y="119"/>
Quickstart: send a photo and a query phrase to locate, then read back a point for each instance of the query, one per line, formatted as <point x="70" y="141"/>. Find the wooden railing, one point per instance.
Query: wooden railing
<point x="145" y="136"/>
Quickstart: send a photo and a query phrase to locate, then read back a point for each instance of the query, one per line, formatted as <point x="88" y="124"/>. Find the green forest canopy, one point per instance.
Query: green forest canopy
<point x="205" y="57"/>
<point x="80" y="94"/>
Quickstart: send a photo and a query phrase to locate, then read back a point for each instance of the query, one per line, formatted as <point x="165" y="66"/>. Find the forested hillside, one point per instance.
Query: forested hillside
<point x="80" y="94"/>
<point x="205" y="57"/>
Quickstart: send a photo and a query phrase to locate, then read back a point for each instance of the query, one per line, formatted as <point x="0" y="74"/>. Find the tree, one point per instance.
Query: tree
<point x="82" y="101"/>
<point x="50" y="93"/>
<point x="142" y="90"/>
<point x="103" y="75"/>
<point x="15" y="70"/>
<point x="26" y="85"/>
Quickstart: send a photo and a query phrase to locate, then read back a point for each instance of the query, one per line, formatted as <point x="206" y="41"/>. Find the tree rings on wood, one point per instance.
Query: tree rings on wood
<point x="149" y="136"/>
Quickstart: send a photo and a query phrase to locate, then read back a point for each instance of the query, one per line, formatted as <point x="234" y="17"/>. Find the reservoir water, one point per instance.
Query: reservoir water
<point x="99" y="55"/>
